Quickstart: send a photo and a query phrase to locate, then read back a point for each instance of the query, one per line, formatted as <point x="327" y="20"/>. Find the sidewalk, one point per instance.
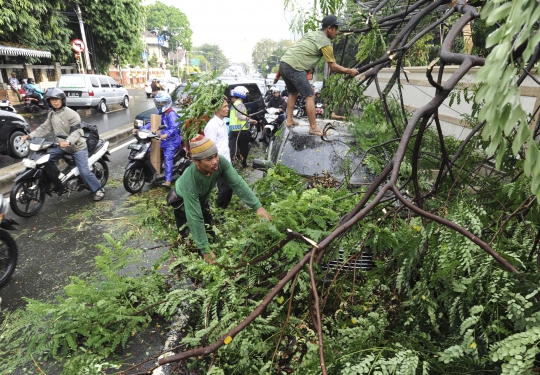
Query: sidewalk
<point x="116" y="136"/>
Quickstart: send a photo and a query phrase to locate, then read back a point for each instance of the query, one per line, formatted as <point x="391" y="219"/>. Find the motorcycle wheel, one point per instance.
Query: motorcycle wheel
<point x="253" y="132"/>
<point x="27" y="198"/>
<point x="8" y="257"/>
<point x="134" y="180"/>
<point x="101" y="170"/>
<point x="267" y="136"/>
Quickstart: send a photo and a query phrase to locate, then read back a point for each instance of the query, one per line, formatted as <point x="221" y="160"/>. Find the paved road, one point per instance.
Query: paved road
<point x="116" y="116"/>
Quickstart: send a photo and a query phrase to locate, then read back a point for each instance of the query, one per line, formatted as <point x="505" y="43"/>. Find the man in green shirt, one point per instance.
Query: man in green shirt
<point x="301" y="58"/>
<point x="195" y="186"/>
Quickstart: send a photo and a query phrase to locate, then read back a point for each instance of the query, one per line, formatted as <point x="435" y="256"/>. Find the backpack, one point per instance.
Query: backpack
<point x="90" y="133"/>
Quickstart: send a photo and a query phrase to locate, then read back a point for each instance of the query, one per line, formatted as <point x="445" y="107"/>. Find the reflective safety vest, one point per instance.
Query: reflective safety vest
<point x="235" y="124"/>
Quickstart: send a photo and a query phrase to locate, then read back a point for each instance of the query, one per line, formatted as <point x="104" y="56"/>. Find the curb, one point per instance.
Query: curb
<point x="114" y="137"/>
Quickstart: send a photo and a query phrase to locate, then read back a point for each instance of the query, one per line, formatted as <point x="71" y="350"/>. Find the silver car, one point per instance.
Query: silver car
<point x="92" y="91"/>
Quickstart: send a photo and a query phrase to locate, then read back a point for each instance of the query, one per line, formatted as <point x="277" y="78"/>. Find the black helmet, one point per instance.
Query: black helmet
<point x="55" y="93"/>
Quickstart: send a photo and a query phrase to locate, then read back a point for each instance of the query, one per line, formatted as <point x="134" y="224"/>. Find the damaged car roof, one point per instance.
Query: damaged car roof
<point x="308" y="155"/>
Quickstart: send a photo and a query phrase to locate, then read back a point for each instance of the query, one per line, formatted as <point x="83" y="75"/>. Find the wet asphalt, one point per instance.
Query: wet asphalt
<point x="115" y="117"/>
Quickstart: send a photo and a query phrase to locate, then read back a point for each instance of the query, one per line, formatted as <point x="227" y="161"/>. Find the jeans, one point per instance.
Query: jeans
<point x="81" y="161"/>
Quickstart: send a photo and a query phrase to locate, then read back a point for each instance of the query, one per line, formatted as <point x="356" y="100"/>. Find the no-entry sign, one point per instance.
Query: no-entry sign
<point x="78" y="45"/>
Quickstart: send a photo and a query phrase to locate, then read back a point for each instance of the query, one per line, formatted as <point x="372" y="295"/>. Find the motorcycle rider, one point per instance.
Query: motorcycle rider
<point x="318" y="98"/>
<point x="277" y="102"/>
<point x="60" y="120"/>
<point x="170" y="136"/>
<point x="156" y="87"/>
<point x="239" y="124"/>
<point x="34" y="91"/>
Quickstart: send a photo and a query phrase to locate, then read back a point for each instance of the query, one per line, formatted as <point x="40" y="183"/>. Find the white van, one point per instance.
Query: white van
<point x="91" y="90"/>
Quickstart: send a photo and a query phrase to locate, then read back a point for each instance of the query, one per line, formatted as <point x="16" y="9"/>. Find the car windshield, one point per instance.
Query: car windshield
<point x="71" y="81"/>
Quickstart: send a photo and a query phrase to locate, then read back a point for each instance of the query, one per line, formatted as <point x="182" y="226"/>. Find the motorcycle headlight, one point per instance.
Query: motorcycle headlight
<point x="140" y="155"/>
<point x="4" y="206"/>
<point x="43" y="159"/>
<point x="29" y="163"/>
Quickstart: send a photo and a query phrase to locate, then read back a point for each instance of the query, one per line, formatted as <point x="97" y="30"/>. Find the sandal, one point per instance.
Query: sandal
<point x="167" y="183"/>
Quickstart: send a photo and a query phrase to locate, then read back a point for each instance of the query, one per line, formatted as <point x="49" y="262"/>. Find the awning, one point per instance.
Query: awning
<point x="16" y="51"/>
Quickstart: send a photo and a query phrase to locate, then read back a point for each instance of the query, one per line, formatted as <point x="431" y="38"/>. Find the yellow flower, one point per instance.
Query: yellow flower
<point x="281" y="300"/>
<point x="353" y="320"/>
<point x="227" y="340"/>
<point x="417" y="228"/>
<point x="423" y="297"/>
<point x="473" y="345"/>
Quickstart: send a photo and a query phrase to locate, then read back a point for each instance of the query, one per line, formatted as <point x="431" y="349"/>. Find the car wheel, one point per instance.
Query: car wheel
<point x="125" y="102"/>
<point x="18" y="148"/>
<point x="102" y="107"/>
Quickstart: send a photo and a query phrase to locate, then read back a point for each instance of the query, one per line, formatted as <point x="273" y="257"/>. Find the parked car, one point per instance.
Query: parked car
<point x="92" y="91"/>
<point x="12" y="128"/>
<point x="309" y="155"/>
<point x="318" y="85"/>
<point x="254" y="102"/>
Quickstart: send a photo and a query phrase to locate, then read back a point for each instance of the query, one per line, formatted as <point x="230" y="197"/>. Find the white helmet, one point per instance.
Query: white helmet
<point x="239" y="92"/>
<point x="275" y="89"/>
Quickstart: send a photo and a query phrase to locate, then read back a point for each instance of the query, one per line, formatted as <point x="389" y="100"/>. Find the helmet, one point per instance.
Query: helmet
<point x="239" y="92"/>
<point x="163" y="102"/>
<point x="55" y="93"/>
<point x="274" y="89"/>
<point x="317" y="92"/>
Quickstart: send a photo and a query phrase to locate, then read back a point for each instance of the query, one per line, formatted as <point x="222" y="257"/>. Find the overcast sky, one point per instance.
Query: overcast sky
<point x="234" y="25"/>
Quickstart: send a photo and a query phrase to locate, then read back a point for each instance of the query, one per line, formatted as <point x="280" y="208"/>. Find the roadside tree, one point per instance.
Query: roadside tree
<point x="171" y="22"/>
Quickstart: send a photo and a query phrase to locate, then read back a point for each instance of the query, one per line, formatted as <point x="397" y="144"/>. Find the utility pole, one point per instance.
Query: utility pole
<point x="83" y="35"/>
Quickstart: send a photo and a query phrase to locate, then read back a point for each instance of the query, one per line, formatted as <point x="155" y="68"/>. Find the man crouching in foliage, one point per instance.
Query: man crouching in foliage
<point x="195" y="186"/>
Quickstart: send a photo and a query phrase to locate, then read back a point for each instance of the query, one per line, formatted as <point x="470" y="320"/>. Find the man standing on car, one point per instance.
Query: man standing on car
<point x="217" y="131"/>
<point x="60" y="120"/>
<point x="301" y="58"/>
<point x="195" y="186"/>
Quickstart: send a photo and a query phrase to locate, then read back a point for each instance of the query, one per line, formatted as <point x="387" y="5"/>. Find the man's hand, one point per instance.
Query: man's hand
<point x="353" y="72"/>
<point x="263" y="213"/>
<point x="24" y="138"/>
<point x="164" y="136"/>
<point x="210" y="257"/>
<point x="64" y="144"/>
<point x="134" y="131"/>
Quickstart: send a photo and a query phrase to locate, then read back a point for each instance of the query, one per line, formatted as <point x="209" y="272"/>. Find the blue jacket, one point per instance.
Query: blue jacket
<point x="169" y="119"/>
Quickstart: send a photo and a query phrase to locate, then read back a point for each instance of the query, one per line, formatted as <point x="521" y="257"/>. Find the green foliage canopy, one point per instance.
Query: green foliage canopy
<point x="36" y="24"/>
<point x="169" y="21"/>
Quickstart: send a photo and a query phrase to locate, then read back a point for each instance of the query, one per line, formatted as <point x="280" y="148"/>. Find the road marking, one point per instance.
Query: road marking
<point x="122" y="146"/>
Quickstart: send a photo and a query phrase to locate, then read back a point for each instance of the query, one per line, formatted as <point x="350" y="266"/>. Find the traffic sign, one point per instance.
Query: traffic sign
<point x="78" y="45"/>
<point x="144" y="56"/>
<point x="160" y="40"/>
<point x="195" y="62"/>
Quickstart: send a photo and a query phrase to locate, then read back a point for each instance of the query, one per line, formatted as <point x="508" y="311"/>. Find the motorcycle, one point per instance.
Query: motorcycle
<point x="8" y="247"/>
<point x="31" y="105"/>
<point x="319" y="110"/>
<point x="271" y="124"/>
<point x="5" y="105"/>
<point x="28" y="194"/>
<point x="140" y="170"/>
<point x="299" y="107"/>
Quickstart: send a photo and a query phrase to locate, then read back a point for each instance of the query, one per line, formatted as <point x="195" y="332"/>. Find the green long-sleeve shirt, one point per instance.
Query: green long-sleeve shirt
<point x="195" y="189"/>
